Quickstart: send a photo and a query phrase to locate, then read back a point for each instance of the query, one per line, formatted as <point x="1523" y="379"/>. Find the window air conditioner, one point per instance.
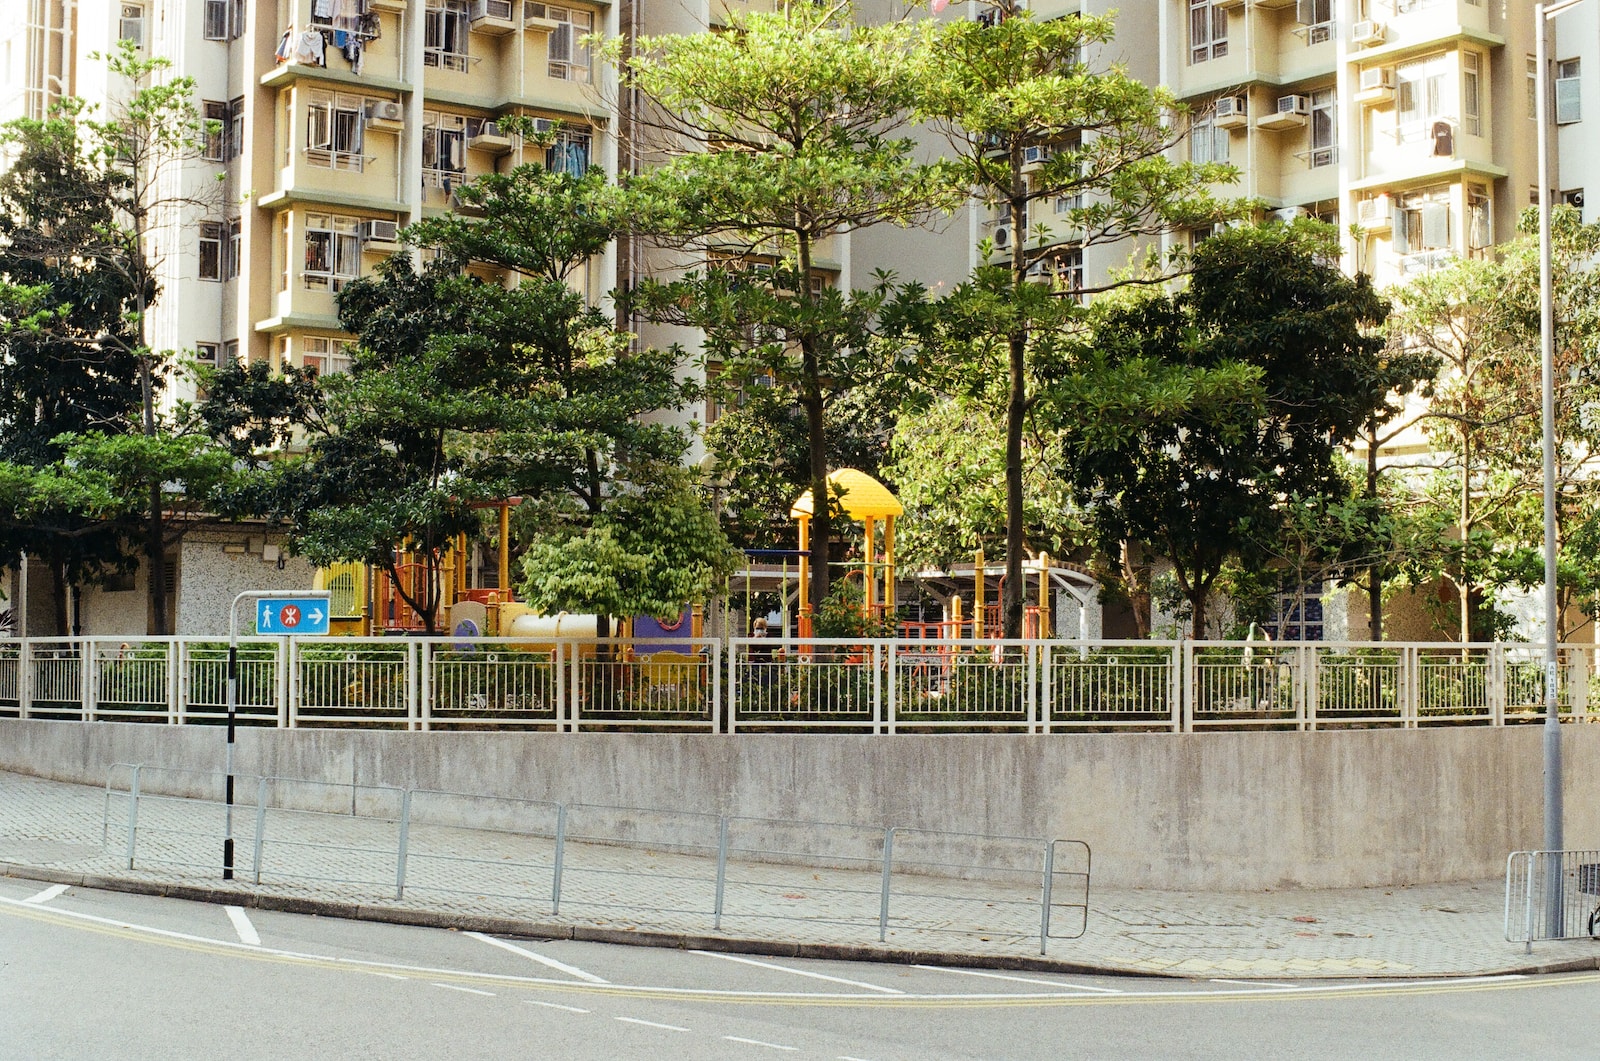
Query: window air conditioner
<point x="1294" y="105"/>
<point x="1377" y="77"/>
<point x="482" y="9"/>
<point x="1002" y="237"/>
<point x="1035" y="156"/>
<point x="385" y="110"/>
<point x="1374" y="212"/>
<point x="1232" y="106"/>
<point x="375" y="231"/>
<point x="1367" y="32"/>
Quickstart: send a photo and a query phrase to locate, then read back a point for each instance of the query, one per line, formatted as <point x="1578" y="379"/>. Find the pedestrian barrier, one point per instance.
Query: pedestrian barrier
<point x="883" y="685"/>
<point x="608" y="863"/>
<point x="1552" y="895"/>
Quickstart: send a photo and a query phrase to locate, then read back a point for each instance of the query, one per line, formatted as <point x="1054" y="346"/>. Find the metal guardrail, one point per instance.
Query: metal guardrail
<point x="380" y="840"/>
<point x="881" y="685"/>
<point x="1552" y="895"/>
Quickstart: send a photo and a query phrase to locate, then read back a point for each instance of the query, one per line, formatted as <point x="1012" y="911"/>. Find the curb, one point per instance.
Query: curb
<point x="515" y="927"/>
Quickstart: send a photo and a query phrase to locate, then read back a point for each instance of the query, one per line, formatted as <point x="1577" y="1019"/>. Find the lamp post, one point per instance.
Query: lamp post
<point x="1542" y="16"/>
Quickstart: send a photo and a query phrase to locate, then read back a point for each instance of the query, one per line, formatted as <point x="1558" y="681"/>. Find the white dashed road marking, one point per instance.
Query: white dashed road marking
<point x="561" y="967"/>
<point x="798" y="972"/>
<point x="650" y="1024"/>
<point x="758" y="1042"/>
<point x="46" y="895"/>
<point x="1020" y="979"/>
<point x="554" y="1005"/>
<point x="468" y="990"/>
<point x="241" y="924"/>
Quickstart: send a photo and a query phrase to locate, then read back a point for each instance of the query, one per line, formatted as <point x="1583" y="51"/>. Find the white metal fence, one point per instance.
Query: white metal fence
<point x="744" y="684"/>
<point x="1552" y="895"/>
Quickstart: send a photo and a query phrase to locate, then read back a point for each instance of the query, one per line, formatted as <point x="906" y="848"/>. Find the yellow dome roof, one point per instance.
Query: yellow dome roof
<point x="861" y="497"/>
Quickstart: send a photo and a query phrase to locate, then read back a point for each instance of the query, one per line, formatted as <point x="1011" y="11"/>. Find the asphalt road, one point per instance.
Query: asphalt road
<point x="87" y="975"/>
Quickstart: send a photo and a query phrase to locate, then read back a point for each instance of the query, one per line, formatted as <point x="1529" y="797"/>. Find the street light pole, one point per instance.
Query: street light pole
<point x="1553" y="840"/>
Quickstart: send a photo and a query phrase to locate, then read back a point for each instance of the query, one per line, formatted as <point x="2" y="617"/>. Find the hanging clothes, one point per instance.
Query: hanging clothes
<point x="346" y="13"/>
<point x="284" y="46"/>
<point x="356" y="54"/>
<point x="322" y="9"/>
<point x="310" y="49"/>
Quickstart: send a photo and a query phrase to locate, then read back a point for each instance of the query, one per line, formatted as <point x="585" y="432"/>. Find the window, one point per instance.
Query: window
<point x="444" y="34"/>
<point x="230" y="351"/>
<point x="568" y="55"/>
<point x="1062" y="267"/>
<point x="323" y="354"/>
<point x="216" y="20"/>
<point x="569" y="153"/>
<point x="1207" y="142"/>
<point x="1324" y="128"/>
<point x="333" y="131"/>
<point x="236" y="18"/>
<point x="1422" y="230"/>
<point x="1471" y="114"/>
<point x="130" y="25"/>
<point x="1297" y="614"/>
<point x="444" y="149"/>
<point x="233" y="146"/>
<point x="206" y="353"/>
<point x="232" y="251"/>
<point x="210" y="250"/>
<point x="1533" y="88"/>
<point x="216" y="129"/>
<point x="1569" y="93"/>
<point x="333" y="251"/>
<point x="1419" y="95"/>
<point x="1317" y="17"/>
<point x="1208" y="30"/>
<point x="1480" y="221"/>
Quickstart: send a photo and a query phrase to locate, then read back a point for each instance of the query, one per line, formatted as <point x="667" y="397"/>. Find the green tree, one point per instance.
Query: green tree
<point x="773" y="138"/>
<point x="102" y="185"/>
<point x="1034" y="125"/>
<point x="1211" y="483"/>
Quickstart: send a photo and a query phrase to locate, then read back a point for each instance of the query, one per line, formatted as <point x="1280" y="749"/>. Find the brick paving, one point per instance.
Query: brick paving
<point x="335" y="861"/>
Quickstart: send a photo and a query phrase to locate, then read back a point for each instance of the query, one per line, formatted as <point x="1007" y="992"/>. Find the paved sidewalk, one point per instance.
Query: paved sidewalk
<point x="501" y="881"/>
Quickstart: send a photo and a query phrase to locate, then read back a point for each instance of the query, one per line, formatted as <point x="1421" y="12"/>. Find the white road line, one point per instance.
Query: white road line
<point x="46" y="895"/>
<point x="468" y="990"/>
<point x="758" y="1042"/>
<point x="1252" y="983"/>
<point x="392" y="976"/>
<point x="650" y="1024"/>
<point x="798" y="972"/>
<point x="554" y="1005"/>
<point x="241" y="924"/>
<point x="1020" y="979"/>
<point x="847" y="1057"/>
<point x="562" y="967"/>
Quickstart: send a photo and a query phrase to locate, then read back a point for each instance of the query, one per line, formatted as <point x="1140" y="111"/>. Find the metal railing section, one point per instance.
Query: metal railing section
<point x="1552" y="895"/>
<point x="599" y="859"/>
<point x="872" y="685"/>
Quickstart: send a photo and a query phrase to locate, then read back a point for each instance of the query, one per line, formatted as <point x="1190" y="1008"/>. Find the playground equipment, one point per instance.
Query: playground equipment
<point x="864" y="499"/>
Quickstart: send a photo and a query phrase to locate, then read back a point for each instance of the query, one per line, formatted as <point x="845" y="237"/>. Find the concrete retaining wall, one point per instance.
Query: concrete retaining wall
<point x="1210" y="811"/>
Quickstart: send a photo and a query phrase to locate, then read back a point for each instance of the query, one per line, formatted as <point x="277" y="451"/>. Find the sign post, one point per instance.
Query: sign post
<point x="288" y="613"/>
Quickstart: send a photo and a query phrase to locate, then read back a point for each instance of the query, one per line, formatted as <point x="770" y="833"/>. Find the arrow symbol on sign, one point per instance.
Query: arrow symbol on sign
<point x="315" y="615"/>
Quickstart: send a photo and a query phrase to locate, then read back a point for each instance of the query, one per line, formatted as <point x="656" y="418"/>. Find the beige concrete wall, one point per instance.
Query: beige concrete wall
<point x="1214" y="811"/>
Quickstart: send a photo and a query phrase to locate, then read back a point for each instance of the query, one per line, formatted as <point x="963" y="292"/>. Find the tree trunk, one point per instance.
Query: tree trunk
<point x="1198" y="598"/>
<point x="1375" y="572"/>
<point x="58" y="592"/>
<point x="1464" y="528"/>
<point x="816" y="443"/>
<point x="1138" y="596"/>
<point x="1012" y="593"/>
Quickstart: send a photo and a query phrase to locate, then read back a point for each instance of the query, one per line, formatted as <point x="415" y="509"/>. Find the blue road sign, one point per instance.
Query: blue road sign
<point x="292" y="615"/>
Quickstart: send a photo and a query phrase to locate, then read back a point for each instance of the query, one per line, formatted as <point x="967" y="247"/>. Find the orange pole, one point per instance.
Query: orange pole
<point x="805" y="576"/>
<point x="505" y="550"/>
<point x="978" y="603"/>
<point x="869" y="576"/>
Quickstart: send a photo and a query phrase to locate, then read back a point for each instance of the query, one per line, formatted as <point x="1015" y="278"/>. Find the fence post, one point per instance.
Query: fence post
<point x="891" y="700"/>
<point x="1411" y="670"/>
<point x="175" y="690"/>
<point x="1187" y="671"/>
<point x="722" y="868"/>
<point x="288" y="687"/>
<point x="561" y="847"/>
<point x="87" y="673"/>
<point x="419" y="685"/>
<point x="716" y="686"/>
<point x="556" y="658"/>
<point x="883" y="902"/>
<point x="25" y="678"/>
<point x="1495" y="684"/>
<point x="575" y="694"/>
<point x="133" y="813"/>
<point x="733" y="688"/>
<point x="405" y="837"/>
<point x="261" y="829"/>
<point x="1577" y="682"/>
<point x="880" y="709"/>
<point x="1044" y="895"/>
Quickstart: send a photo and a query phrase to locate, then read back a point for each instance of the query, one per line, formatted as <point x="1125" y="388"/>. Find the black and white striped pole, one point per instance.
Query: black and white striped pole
<point x="320" y="626"/>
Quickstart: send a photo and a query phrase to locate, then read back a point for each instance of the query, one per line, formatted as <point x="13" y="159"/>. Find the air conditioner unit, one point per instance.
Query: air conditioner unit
<point x="1034" y="157"/>
<point x="543" y="126"/>
<point x="1232" y="111"/>
<point x="376" y="231"/>
<point x="489" y="137"/>
<point x="1294" y="105"/>
<point x="493" y="16"/>
<point x="387" y="111"/>
<point x="1367" y="31"/>
<point x="1374" y="213"/>
<point x="1375" y="78"/>
<point x="1289" y="213"/>
<point x="1002" y="237"/>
